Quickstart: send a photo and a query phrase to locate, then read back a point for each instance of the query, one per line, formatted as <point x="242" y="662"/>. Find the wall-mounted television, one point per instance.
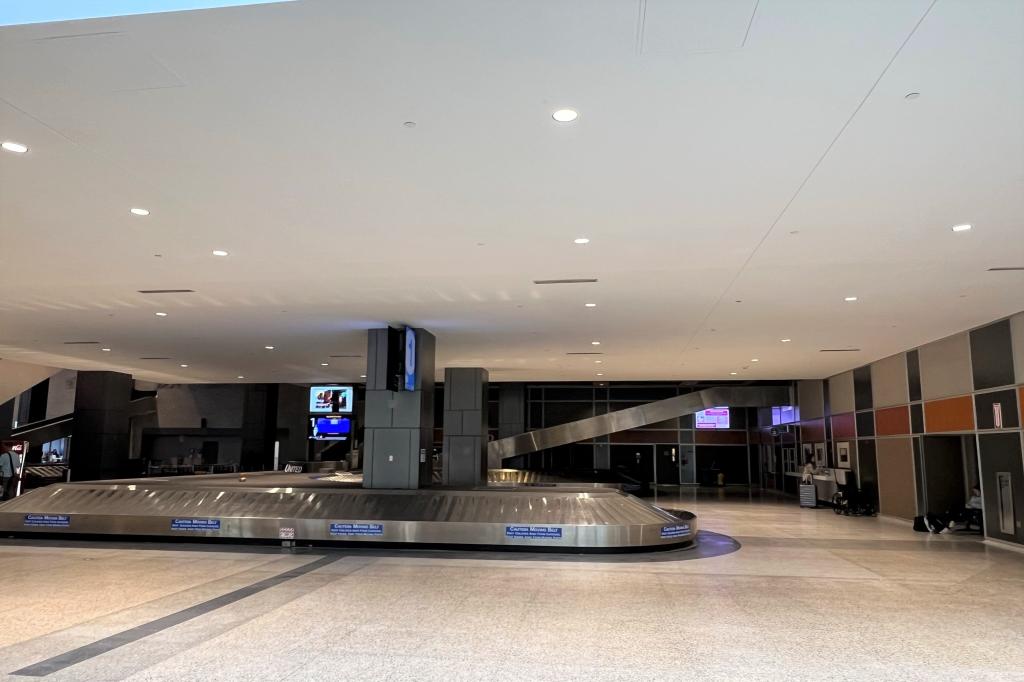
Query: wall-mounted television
<point x="409" y="366"/>
<point x="331" y="399"/>
<point x="712" y="418"/>
<point x="330" y="428"/>
<point x="55" y="452"/>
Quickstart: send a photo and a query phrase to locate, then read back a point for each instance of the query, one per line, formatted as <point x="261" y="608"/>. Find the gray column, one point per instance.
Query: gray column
<point x="100" y="432"/>
<point x="398" y="425"/>
<point x="464" y="457"/>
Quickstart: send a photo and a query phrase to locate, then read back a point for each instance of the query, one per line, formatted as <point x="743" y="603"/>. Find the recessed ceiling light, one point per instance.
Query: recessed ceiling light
<point x="565" y="115"/>
<point x="733" y="373"/>
<point x="755" y="360"/>
<point x="269" y="347"/>
<point x="161" y="314"/>
<point x="598" y="362"/>
<point x="850" y="299"/>
<point x="12" y="146"/>
<point x="410" y="124"/>
<point x="362" y="376"/>
<point x="240" y="376"/>
<point x="961" y="228"/>
<point x="590" y="305"/>
<point x="912" y="95"/>
<point x="595" y="343"/>
<point x="105" y="350"/>
<point x="183" y="365"/>
<point x="323" y="364"/>
<point x="785" y="340"/>
<point x="600" y="374"/>
<point x="139" y="211"/>
<point x="218" y="252"/>
<point x="581" y="240"/>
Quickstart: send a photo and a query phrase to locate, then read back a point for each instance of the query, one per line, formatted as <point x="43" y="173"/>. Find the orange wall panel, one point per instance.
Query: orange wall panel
<point x="844" y="426"/>
<point x="892" y="421"/>
<point x="950" y="414"/>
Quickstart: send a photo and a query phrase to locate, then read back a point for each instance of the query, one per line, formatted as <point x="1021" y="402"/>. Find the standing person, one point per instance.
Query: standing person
<point x="808" y="473"/>
<point x="10" y="463"/>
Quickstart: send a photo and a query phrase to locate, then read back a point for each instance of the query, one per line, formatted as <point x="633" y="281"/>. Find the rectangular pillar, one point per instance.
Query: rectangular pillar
<point x="100" y="434"/>
<point x="464" y="457"/>
<point x="398" y="425"/>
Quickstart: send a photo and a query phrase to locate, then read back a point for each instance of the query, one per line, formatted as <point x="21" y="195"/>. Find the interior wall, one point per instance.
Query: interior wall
<point x="1001" y="452"/>
<point x="896" y="491"/>
<point x="946" y="367"/>
<point x="60" y="399"/>
<point x="184" y="406"/>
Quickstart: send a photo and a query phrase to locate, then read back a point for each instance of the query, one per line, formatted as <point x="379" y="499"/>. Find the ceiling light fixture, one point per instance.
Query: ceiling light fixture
<point x="600" y="374"/>
<point x="785" y="340"/>
<point x="240" y="376"/>
<point x="581" y="240"/>
<point x="12" y="146"/>
<point x="140" y="211"/>
<point x="323" y="364"/>
<point x="183" y="365"/>
<point x="105" y="350"/>
<point x="269" y="347"/>
<point x="598" y="362"/>
<point x="850" y="299"/>
<point x="961" y="228"/>
<point x="565" y="115"/>
<point x="595" y="343"/>
<point x="362" y="376"/>
<point x="219" y="252"/>
<point x="755" y="360"/>
<point x="161" y="314"/>
<point x="590" y="305"/>
<point x="733" y="373"/>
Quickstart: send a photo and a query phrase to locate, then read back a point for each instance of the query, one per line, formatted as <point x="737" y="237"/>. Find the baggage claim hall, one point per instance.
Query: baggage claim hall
<point x="512" y="340"/>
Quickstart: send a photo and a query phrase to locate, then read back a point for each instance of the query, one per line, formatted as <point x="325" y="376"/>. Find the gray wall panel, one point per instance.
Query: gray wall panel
<point x="889" y="381"/>
<point x="840" y="388"/>
<point x="1017" y="334"/>
<point x="811" y="396"/>
<point x="946" y="367"/>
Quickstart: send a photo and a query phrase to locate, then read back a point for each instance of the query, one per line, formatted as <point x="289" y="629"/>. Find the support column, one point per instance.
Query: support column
<point x="100" y="436"/>
<point x="464" y="457"/>
<point x="398" y="425"/>
<point x="511" y="415"/>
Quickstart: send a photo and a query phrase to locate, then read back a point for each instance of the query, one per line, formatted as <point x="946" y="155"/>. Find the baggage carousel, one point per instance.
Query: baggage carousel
<point x="318" y="508"/>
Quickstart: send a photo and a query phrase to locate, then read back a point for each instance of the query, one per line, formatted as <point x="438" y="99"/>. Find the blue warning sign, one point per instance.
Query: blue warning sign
<point x="676" y="531"/>
<point x="531" y="532"/>
<point x="48" y="520"/>
<point x="195" y="524"/>
<point x="357" y="529"/>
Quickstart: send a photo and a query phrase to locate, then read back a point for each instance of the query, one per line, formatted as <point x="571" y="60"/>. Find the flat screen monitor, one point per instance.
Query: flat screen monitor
<point x="330" y="399"/>
<point x="55" y="452"/>
<point x="713" y="418"/>
<point x="330" y="428"/>
<point x="409" y="384"/>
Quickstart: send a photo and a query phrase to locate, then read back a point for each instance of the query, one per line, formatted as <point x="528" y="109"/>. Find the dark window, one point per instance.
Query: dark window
<point x="914" y="375"/>
<point x="916" y="418"/>
<point x="992" y="355"/>
<point x="862" y="388"/>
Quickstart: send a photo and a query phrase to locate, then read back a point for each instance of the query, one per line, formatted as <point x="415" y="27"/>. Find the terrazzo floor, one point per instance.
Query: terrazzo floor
<point x="808" y="596"/>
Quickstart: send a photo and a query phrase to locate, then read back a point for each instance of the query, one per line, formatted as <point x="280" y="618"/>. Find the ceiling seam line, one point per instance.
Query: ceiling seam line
<point x="810" y="174"/>
<point x="750" y="24"/>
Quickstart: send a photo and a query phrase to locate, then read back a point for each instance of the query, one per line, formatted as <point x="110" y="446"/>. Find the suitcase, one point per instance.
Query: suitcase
<point x="808" y="495"/>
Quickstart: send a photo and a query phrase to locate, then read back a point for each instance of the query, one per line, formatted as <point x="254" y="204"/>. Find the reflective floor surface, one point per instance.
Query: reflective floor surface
<point x="775" y="592"/>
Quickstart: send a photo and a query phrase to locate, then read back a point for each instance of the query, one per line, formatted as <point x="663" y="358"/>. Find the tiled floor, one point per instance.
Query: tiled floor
<point x="809" y="595"/>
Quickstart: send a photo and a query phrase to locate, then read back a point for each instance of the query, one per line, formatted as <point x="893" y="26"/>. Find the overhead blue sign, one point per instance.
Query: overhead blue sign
<point x="676" y="531"/>
<point x="195" y="524"/>
<point x="357" y="529"/>
<point x="47" y="520"/>
<point x="546" y="532"/>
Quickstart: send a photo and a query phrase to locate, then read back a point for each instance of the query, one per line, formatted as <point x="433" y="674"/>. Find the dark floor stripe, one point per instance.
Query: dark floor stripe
<point x="84" y="653"/>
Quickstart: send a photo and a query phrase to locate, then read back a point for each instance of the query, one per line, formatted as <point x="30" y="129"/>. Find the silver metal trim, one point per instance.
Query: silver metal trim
<point x="634" y="417"/>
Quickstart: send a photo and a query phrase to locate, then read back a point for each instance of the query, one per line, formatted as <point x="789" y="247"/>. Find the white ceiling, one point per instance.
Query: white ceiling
<point x="755" y="151"/>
